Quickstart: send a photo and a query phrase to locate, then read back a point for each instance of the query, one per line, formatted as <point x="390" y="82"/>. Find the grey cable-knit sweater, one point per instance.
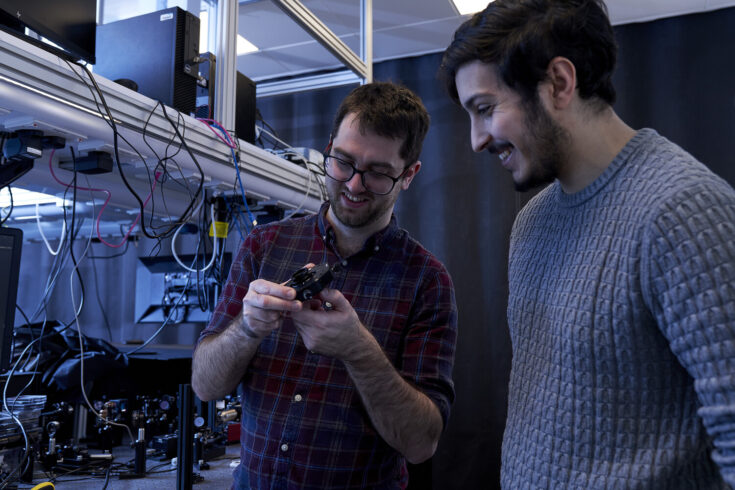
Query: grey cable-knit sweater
<point x="622" y="319"/>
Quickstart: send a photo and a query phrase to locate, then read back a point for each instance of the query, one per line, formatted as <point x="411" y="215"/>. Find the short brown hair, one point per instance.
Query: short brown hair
<point x="390" y="110"/>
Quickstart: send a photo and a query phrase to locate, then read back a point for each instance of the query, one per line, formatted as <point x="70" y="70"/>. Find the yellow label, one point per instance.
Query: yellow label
<point x="221" y="229"/>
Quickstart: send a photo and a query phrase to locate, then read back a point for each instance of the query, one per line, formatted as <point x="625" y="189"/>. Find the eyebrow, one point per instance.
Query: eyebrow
<point x="471" y="102"/>
<point x="382" y="165"/>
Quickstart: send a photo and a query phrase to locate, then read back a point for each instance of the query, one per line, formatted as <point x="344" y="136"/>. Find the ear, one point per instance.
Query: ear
<point x="410" y="174"/>
<point x="561" y="82"/>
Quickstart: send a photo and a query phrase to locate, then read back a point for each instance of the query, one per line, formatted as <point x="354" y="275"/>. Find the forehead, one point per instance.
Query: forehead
<point x="365" y="144"/>
<point x="475" y="79"/>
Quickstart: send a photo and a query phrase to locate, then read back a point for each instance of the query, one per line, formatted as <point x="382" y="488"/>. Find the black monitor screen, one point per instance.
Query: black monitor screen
<point x="11" y="240"/>
<point x="71" y="24"/>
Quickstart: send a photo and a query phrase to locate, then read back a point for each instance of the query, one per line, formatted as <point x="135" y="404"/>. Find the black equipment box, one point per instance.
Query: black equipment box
<point x="157" y="52"/>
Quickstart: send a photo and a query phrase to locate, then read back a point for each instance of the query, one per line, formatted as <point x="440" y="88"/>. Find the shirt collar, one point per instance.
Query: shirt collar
<point x="372" y="244"/>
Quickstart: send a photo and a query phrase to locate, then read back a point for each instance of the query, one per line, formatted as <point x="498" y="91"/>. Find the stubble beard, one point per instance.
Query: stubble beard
<point x="375" y="209"/>
<point x="547" y="154"/>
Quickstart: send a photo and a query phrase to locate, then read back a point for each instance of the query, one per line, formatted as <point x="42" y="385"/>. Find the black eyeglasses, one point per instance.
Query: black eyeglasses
<point x="375" y="182"/>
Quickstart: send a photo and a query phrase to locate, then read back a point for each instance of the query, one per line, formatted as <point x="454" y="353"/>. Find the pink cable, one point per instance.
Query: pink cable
<point x="209" y="122"/>
<point x="102" y="209"/>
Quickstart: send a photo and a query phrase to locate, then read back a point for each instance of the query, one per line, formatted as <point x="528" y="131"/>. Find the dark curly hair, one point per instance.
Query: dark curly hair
<point x="521" y="37"/>
<point x="389" y="110"/>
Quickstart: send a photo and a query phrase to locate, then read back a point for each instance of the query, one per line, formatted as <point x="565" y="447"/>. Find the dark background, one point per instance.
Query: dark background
<point x="675" y="75"/>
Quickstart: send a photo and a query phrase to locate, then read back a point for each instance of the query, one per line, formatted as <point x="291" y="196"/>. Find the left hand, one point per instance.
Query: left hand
<point x="336" y="332"/>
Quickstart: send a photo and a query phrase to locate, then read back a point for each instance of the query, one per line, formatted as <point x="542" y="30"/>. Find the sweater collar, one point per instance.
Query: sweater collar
<point x="620" y="160"/>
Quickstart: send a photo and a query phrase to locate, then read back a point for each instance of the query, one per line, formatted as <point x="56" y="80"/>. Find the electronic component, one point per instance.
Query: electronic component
<point x="156" y="51"/>
<point x="25" y="144"/>
<point x="96" y="162"/>
<point x="309" y="281"/>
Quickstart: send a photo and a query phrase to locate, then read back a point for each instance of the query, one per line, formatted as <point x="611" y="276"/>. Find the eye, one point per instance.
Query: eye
<point x="484" y="109"/>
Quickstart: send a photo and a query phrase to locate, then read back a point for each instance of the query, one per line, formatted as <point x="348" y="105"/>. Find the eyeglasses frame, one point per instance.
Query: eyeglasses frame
<point x="362" y="173"/>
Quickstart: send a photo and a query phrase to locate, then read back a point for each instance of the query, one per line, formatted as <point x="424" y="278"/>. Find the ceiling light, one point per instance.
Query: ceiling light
<point x="466" y="7"/>
<point x="244" y="46"/>
<point x="22" y="197"/>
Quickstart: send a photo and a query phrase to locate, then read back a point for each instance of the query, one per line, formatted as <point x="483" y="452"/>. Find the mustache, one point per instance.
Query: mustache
<point x="496" y="148"/>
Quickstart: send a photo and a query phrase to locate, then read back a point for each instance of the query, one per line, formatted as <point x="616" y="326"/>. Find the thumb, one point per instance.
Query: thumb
<point x="335" y="298"/>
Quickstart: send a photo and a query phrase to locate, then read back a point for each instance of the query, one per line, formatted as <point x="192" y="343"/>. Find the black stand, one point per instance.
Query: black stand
<point x="184" y="472"/>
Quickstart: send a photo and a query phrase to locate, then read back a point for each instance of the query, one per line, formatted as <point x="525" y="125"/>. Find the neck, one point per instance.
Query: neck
<point x="596" y="140"/>
<point x="350" y="240"/>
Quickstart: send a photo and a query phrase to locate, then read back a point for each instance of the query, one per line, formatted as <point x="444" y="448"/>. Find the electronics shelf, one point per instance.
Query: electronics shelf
<point x="39" y="90"/>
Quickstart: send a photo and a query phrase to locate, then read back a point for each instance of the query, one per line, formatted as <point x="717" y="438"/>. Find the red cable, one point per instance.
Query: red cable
<point x="109" y="196"/>
<point x="228" y="142"/>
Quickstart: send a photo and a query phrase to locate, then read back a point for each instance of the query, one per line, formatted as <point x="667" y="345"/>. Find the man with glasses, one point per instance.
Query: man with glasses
<point x="340" y="390"/>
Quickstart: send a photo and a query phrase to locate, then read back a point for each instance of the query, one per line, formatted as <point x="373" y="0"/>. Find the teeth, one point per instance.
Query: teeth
<point x="504" y="154"/>
<point x="353" y="198"/>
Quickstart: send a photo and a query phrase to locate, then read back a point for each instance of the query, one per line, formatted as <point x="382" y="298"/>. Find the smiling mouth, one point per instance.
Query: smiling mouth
<point x="504" y="151"/>
<point x="353" y="198"/>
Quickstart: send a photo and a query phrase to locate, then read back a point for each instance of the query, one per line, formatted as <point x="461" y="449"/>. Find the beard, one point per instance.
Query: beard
<point x="547" y="141"/>
<point x="375" y="209"/>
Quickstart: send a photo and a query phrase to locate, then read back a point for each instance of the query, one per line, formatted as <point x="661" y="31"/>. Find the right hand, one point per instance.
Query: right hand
<point x="264" y="305"/>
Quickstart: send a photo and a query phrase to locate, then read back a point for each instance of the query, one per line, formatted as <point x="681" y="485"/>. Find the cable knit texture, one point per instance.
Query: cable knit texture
<point x="622" y="319"/>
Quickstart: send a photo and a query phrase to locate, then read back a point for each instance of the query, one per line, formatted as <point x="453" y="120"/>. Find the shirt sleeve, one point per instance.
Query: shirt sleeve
<point x="691" y="274"/>
<point x="428" y="354"/>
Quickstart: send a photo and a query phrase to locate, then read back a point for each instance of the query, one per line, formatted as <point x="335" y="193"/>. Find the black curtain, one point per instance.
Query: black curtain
<point x="675" y="75"/>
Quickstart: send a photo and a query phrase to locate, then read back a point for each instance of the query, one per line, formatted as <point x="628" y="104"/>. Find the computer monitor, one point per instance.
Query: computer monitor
<point x="70" y="24"/>
<point x="11" y="241"/>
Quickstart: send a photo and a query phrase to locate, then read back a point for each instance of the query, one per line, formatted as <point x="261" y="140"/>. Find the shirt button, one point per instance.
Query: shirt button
<point x="376" y="248"/>
<point x="297" y="398"/>
<point x="284" y="447"/>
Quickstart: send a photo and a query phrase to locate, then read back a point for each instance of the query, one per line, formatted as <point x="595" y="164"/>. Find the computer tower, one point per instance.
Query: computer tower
<point x="245" y="109"/>
<point x="205" y="86"/>
<point x="244" y="99"/>
<point x="157" y="52"/>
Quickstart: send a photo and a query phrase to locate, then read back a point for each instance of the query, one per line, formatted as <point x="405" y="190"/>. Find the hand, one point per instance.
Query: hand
<point x="335" y="331"/>
<point x="264" y="305"/>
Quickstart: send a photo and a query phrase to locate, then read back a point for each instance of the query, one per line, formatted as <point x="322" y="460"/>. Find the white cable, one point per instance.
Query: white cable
<point x="165" y="322"/>
<point x="214" y="248"/>
<point x="306" y="194"/>
<point x="40" y="230"/>
<point x="81" y="341"/>
<point x="279" y="140"/>
<point x="10" y="411"/>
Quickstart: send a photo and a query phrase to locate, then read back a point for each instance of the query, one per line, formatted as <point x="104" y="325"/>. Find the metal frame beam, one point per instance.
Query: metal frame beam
<point x="321" y="33"/>
<point x="40" y="91"/>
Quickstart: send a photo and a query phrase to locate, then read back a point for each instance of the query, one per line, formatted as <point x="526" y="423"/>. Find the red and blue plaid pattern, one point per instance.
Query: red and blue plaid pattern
<point x="303" y="424"/>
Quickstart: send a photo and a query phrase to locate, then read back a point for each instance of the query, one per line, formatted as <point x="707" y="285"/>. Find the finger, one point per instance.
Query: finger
<point x="261" y="315"/>
<point x="268" y="288"/>
<point x="271" y="303"/>
<point x="335" y="298"/>
<point x="312" y="304"/>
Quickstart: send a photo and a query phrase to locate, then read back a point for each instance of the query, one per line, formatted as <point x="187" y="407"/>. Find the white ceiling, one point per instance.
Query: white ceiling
<point x="401" y="28"/>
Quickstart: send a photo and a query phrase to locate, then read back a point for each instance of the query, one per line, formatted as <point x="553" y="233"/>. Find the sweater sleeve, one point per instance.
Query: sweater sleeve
<point x="688" y="272"/>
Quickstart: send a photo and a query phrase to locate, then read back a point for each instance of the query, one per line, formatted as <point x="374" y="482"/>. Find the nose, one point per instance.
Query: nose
<point x="355" y="184"/>
<point x="479" y="136"/>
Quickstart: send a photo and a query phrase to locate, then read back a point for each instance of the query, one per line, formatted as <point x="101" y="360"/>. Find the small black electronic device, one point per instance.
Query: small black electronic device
<point x="70" y="25"/>
<point x="11" y="242"/>
<point x="308" y="281"/>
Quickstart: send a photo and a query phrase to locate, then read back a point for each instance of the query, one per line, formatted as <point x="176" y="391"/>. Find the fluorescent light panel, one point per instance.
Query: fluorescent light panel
<point x="244" y="46"/>
<point x="466" y="7"/>
<point x="22" y="197"/>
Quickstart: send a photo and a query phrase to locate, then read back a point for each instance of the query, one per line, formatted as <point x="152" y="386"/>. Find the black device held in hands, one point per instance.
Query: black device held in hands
<point x="309" y="281"/>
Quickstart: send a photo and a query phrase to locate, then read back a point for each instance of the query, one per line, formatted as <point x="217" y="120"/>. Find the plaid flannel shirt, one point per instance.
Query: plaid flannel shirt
<point x="303" y="422"/>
